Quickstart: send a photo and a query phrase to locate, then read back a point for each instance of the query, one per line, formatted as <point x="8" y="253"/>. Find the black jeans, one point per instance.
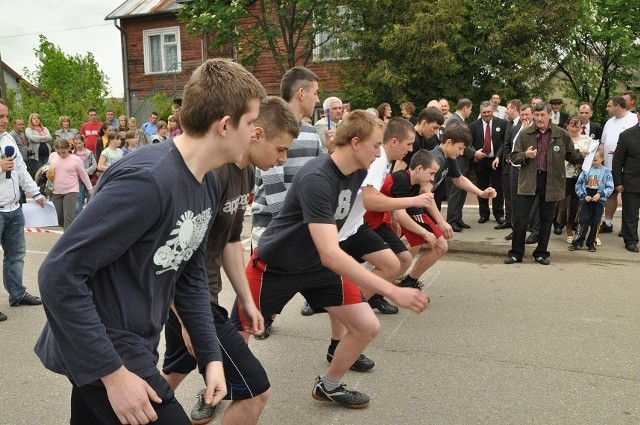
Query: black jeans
<point x="524" y="206"/>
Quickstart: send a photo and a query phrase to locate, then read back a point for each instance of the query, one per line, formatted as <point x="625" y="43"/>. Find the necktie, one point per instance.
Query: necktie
<point x="487" y="139"/>
<point x="584" y="129"/>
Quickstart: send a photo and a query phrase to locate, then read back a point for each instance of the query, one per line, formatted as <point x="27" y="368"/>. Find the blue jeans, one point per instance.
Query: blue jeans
<point x="81" y="197"/>
<point x="15" y="248"/>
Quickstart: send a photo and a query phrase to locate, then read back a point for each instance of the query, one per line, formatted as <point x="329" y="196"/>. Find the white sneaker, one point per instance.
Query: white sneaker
<point x="569" y="239"/>
<point x="598" y="242"/>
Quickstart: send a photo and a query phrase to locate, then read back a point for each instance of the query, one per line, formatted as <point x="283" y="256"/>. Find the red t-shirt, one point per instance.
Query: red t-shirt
<point x="90" y="132"/>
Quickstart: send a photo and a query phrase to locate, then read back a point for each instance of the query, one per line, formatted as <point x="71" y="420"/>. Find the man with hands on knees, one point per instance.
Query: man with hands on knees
<point x="105" y="312"/>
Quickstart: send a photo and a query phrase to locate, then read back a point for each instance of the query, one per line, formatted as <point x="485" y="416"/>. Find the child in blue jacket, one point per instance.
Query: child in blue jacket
<point x="593" y="188"/>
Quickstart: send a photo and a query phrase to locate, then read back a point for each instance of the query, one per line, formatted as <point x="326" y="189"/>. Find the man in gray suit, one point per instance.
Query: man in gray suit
<point x="626" y="179"/>
<point x="456" y="196"/>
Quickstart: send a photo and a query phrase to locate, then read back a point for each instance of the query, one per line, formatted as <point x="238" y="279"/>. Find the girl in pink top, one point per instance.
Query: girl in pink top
<point x="66" y="170"/>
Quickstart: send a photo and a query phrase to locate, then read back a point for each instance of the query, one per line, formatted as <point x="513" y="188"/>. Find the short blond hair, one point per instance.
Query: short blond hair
<point x="358" y="123"/>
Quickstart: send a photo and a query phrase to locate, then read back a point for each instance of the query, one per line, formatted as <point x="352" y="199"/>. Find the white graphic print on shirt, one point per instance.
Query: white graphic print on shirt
<point x="344" y="205"/>
<point x="189" y="233"/>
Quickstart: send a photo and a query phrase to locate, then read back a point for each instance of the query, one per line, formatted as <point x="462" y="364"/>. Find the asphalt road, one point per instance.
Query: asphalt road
<point x="518" y="344"/>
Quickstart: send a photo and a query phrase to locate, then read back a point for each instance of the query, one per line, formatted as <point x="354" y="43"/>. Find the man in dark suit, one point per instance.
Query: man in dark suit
<point x="455" y="195"/>
<point x="585" y="112"/>
<point x="626" y="179"/>
<point x="558" y="117"/>
<point x="488" y="134"/>
<point x="513" y="125"/>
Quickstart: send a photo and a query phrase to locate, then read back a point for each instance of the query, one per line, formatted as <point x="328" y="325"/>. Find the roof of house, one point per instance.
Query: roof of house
<point x="10" y="71"/>
<point x="132" y="8"/>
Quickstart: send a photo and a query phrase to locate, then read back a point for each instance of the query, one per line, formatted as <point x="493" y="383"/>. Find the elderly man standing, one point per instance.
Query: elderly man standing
<point x="334" y="105"/>
<point x="626" y="180"/>
<point x="540" y="150"/>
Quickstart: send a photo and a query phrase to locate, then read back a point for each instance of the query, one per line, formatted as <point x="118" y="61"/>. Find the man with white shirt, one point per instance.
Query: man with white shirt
<point x="585" y="112"/>
<point x="558" y="117"/>
<point x="488" y="134"/>
<point x="13" y="177"/>
<point x="499" y="111"/>
<point x="334" y="105"/>
<point x="621" y="119"/>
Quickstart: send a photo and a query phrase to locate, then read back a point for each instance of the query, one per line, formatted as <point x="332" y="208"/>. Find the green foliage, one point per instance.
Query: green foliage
<point x="601" y="52"/>
<point x="285" y="29"/>
<point x="66" y="85"/>
<point x="161" y="104"/>
<point x="423" y="50"/>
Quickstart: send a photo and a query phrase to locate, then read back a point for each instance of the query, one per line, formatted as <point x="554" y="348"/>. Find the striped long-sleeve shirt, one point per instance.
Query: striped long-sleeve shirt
<point x="272" y="185"/>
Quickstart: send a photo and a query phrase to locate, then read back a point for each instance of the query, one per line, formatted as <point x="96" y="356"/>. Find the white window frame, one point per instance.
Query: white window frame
<point x="147" y="49"/>
<point x="341" y="53"/>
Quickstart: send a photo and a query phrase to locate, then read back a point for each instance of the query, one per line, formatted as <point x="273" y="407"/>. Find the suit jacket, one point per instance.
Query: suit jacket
<point x="498" y="132"/>
<point x="564" y="117"/>
<point x="626" y="160"/>
<point x="596" y="131"/>
<point x="455" y="118"/>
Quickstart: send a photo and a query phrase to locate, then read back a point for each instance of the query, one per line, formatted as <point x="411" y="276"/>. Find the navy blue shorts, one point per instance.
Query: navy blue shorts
<point x="244" y="375"/>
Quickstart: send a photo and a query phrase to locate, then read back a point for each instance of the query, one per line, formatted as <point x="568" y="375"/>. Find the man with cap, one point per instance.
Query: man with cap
<point x="558" y="117"/>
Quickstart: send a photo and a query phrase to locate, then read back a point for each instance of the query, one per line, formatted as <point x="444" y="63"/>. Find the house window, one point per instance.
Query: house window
<point x="162" y="50"/>
<point x="330" y="46"/>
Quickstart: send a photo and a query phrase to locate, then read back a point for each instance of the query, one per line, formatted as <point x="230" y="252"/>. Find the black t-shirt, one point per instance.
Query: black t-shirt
<point x="319" y="193"/>
<point x="448" y="167"/>
<point x="421" y="143"/>
<point x="235" y="184"/>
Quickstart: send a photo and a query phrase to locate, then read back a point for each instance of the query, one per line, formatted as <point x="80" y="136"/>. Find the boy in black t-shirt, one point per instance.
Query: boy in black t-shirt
<point x="299" y="252"/>
<point x="276" y="127"/>
<point x="105" y="313"/>
<point x="455" y="139"/>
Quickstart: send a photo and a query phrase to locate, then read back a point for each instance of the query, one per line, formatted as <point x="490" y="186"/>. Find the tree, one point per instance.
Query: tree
<point x="602" y="51"/>
<point x="286" y="29"/>
<point x="423" y="50"/>
<point x="65" y="85"/>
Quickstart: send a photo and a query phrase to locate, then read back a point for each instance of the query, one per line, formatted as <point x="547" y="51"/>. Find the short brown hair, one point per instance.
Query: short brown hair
<point x="458" y="133"/>
<point x="431" y="114"/>
<point x="398" y="128"/>
<point x="131" y="134"/>
<point x="276" y="117"/>
<point x="293" y="79"/>
<point x="217" y="88"/>
<point x="61" y="143"/>
<point x="358" y="123"/>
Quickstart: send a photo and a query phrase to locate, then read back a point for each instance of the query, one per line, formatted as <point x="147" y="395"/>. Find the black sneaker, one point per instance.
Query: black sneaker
<point x="605" y="228"/>
<point x="268" y="325"/>
<point x="592" y="248"/>
<point x="307" y="310"/>
<point x="575" y="247"/>
<point x="202" y="413"/>
<point x="410" y="283"/>
<point x="28" y="299"/>
<point x="362" y="364"/>
<point x="3" y="317"/>
<point x="341" y="395"/>
<point x="384" y="306"/>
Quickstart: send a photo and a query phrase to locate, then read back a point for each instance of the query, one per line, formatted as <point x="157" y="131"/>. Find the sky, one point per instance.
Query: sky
<point x="75" y="26"/>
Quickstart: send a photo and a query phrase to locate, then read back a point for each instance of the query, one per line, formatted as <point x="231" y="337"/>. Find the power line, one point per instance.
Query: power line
<point x="52" y="31"/>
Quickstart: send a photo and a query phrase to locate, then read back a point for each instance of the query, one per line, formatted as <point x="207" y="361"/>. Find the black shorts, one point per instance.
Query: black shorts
<point x="244" y="375"/>
<point x="389" y="236"/>
<point x="272" y="289"/>
<point x="364" y="241"/>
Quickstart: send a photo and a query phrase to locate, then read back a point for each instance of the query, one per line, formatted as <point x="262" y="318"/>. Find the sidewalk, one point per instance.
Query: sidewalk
<point x="483" y="239"/>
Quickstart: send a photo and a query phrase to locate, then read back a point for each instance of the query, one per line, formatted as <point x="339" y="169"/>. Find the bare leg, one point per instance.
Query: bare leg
<point x="362" y="328"/>
<point x="429" y="258"/>
<point x="173" y="379"/>
<point x="610" y="206"/>
<point x="387" y="266"/>
<point x="245" y="412"/>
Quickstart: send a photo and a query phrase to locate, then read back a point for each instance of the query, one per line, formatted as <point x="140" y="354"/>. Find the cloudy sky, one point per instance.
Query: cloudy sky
<point x="76" y="26"/>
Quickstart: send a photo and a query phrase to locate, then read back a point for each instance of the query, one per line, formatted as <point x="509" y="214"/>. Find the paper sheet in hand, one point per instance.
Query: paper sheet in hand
<point x="36" y="216"/>
<point x="593" y="147"/>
